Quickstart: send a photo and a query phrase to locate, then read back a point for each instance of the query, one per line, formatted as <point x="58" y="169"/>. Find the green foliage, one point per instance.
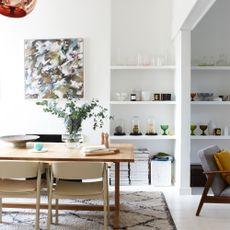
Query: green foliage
<point x="74" y="114"/>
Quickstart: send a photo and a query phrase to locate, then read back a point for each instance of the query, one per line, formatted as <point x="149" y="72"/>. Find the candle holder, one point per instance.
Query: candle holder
<point x="193" y="128"/>
<point x="164" y="128"/>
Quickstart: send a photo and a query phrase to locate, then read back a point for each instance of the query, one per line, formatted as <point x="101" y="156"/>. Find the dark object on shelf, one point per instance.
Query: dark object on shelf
<point x="156" y="97"/>
<point x="119" y="134"/>
<point x="135" y="134"/>
<point x="165" y="97"/>
<point x="161" y="156"/>
<point x="217" y="131"/>
<point x="133" y="97"/>
<point x="197" y="177"/>
<point x="203" y="128"/>
<point x="151" y="134"/>
<point x="48" y="137"/>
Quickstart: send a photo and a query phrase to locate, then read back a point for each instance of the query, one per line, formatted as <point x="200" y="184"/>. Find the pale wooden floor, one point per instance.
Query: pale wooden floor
<point x="183" y="209"/>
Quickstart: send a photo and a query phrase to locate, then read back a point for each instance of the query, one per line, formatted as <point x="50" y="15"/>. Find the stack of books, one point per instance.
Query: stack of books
<point x="135" y="173"/>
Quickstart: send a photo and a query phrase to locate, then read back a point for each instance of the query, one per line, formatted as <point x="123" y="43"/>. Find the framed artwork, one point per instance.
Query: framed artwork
<point x="54" y="68"/>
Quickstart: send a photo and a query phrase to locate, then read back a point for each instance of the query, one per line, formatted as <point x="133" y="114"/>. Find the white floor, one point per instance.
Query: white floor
<point x="183" y="209"/>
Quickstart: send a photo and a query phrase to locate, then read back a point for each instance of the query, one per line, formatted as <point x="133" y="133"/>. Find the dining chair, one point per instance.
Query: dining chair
<point x="20" y="179"/>
<point x="78" y="180"/>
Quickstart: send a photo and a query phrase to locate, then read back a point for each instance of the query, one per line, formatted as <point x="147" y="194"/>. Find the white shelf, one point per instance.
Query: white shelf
<point x="210" y="137"/>
<point x="210" y="102"/>
<point x="143" y="137"/>
<point x="142" y="102"/>
<point x="210" y="68"/>
<point x="139" y="67"/>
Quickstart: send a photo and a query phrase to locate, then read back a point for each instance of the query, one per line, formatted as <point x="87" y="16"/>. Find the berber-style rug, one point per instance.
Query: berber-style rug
<point x="139" y="211"/>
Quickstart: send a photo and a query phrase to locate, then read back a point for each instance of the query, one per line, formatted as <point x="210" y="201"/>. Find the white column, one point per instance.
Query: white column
<point x="182" y="87"/>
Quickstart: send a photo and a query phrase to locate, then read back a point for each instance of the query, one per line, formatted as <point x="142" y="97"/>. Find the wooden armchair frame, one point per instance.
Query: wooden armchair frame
<point x="205" y="198"/>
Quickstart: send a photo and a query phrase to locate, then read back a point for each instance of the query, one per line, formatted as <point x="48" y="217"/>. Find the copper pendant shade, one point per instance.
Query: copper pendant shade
<point x="16" y="8"/>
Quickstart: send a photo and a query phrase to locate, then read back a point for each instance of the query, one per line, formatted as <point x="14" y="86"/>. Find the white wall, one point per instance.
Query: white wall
<point x="181" y="10"/>
<point x="140" y="27"/>
<point x="89" y="19"/>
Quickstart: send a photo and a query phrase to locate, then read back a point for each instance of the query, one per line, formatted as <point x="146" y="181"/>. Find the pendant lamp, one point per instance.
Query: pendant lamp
<point x="16" y="8"/>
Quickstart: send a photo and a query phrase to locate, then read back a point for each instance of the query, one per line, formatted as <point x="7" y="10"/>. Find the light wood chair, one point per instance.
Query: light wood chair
<point x="215" y="181"/>
<point x="13" y="183"/>
<point x="93" y="184"/>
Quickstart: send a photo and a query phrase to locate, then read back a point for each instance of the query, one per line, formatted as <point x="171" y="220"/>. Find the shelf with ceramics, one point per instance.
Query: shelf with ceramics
<point x="210" y="68"/>
<point x="142" y="102"/>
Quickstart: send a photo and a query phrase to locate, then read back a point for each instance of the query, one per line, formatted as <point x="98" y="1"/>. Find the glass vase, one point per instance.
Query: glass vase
<point x="72" y="140"/>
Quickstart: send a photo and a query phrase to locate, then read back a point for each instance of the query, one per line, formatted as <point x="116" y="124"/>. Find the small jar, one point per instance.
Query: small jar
<point x="133" y="97"/>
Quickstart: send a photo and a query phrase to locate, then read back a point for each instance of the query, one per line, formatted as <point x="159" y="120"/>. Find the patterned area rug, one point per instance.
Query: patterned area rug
<point x="139" y="211"/>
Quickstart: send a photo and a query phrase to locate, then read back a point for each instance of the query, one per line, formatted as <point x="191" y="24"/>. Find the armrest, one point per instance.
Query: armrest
<point x="217" y="171"/>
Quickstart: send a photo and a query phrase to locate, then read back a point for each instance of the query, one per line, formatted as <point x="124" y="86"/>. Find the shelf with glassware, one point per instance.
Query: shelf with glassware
<point x="210" y="102"/>
<point x="143" y="137"/>
<point x="142" y="67"/>
<point x="210" y="137"/>
<point x="210" y="68"/>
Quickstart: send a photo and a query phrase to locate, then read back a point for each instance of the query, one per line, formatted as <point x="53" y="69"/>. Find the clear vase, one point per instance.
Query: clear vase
<point x="72" y="140"/>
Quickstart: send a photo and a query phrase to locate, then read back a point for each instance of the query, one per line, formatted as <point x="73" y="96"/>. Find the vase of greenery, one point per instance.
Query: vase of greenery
<point x="74" y="115"/>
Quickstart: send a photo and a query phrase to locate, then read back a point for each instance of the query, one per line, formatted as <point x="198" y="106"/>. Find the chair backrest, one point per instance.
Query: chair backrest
<point x="77" y="170"/>
<point x="18" y="169"/>
<point x="208" y="164"/>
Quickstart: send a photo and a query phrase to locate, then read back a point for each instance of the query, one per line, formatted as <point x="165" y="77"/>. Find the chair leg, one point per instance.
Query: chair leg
<point x="37" y="211"/>
<point x="0" y="210"/>
<point x="56" y="213"/>
<point x="205" y="192"/>
<point x="105" y="213"/>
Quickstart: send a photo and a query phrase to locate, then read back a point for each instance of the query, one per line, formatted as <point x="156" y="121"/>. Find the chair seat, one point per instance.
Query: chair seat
<point x="226" y="192"/>
<point x="72" y="188"/>
<point x="17" y="186"/>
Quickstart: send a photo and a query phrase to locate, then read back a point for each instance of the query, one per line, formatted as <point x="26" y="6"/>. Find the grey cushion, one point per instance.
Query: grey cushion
<point x="226" y="192"/>
<point x="209" y="164"/>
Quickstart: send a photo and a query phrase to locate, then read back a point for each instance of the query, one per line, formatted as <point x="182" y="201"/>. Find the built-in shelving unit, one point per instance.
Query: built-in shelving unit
<point x="210" y="102"/>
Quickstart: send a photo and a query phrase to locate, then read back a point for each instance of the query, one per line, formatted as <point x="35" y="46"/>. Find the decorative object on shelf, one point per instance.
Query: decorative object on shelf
<point x="165" y="97"/>
<point x="203" y="128"/>
<point x="164" y="127"/>
<point x="74" y="115"/>
<point x="156" y="97"/>
<point x="19" y="141"/>
<point x="135" y="126"/>
<point x="145" y="95"/>
<point x="16" y="8"/>
<point x="121" y="96"/>
<point x="151" y="127"/>
<point x="193" y="128"/>
<point x="211" y="127"/>
<point x="193" y="95"/>
<point x="119" y="128"/>
<point x="226" y="131"/>
<point x="217" y="131"/>
<point x="205" y="96"/>
<point x="133" y="97"/>
<point x="54" y="68"/>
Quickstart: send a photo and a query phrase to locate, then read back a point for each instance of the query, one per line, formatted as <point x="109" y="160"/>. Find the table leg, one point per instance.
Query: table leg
<point x="116" y="223"/>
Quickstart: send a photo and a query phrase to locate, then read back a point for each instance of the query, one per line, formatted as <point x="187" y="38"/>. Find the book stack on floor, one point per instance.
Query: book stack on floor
<point x="135" y="173"/>
<point x="139" y="169"/>
<point x="124" y="174"/>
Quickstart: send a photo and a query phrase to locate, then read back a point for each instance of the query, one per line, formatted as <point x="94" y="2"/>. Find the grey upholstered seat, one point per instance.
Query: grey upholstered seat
<point x="215" y="181"/>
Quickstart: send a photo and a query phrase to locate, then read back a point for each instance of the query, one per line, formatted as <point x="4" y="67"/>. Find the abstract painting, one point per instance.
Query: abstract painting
<point x="54" y="68"/>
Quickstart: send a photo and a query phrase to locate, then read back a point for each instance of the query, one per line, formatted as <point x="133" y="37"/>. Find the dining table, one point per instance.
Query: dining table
<point x="59" y="152"/>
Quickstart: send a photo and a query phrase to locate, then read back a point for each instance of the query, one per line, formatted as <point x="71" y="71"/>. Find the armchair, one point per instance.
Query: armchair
<point x="215" y="181"/>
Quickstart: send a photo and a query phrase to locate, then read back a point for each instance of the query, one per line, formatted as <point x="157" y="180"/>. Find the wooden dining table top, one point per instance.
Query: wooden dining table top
<point x="59" y="152"/>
